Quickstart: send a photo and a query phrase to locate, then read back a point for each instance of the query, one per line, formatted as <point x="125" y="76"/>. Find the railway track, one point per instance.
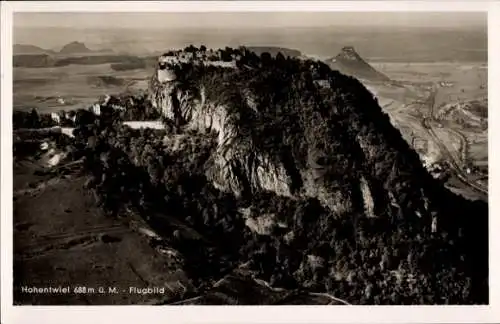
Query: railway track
<point x="426" y="122"/>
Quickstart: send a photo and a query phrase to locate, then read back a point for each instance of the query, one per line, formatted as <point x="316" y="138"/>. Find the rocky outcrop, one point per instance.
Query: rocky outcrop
<point x="369" y="204"/>
<point x="239" y="167"/>
<point x="236" y="166"/>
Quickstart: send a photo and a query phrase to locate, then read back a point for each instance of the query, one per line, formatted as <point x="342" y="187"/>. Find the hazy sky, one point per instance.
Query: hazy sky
<point x="247" y="19"/>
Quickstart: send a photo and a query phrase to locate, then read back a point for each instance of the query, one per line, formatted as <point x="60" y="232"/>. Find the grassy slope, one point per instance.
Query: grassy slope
<point x="57" y="233"/>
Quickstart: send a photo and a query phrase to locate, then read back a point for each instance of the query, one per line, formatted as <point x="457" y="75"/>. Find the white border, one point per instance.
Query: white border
<point x="256" y="6"/>
<point x="244" y="314"/>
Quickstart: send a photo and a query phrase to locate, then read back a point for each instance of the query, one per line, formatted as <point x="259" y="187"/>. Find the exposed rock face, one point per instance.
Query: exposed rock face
<point x="369" y="203"/>
<point x="263" y="225"/>
<point x="238" y="167"/>
<point x="348" y="53"/>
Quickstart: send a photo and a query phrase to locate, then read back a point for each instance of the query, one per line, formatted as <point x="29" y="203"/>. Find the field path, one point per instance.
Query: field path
<point x="61" y="238"/>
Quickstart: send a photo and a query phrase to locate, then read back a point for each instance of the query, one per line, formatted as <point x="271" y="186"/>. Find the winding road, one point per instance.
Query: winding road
<point x="427" y="123"/>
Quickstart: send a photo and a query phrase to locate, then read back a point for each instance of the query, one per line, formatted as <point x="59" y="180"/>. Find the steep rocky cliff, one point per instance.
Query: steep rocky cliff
<point x="352" y="169"/>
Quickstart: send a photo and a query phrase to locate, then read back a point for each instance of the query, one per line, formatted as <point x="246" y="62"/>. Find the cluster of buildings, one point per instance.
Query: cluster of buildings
<point x="168" y="62"/>
<point x="437" y="170"/>
<point x="202" y="54"/>
<point x="445" y="84"/>
<point x="59" y="117"/>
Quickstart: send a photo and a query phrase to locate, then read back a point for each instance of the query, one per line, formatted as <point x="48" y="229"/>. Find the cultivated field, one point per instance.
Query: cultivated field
<point x="62" y="238"/>
<point x="73" y="86"/>
<point x="442" y="110"/>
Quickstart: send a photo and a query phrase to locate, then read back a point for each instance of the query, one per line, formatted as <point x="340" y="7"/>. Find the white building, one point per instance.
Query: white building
<point x="165" y="72"/>
<point x="56" y="118"/>
<point x="96" y="109"/>
<point x="434" y="224"/>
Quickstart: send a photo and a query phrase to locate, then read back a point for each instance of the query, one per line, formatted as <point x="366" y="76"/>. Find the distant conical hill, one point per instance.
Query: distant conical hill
<point x="74" y="48"/>
<point x="349" y="62"/>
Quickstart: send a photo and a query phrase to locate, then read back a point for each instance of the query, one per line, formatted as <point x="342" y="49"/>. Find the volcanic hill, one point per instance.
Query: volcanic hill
<point x="280" y="132"/>
<point x="75" y="48"/>
<point x="292" y="171"/>
<point x="349" y="62"/>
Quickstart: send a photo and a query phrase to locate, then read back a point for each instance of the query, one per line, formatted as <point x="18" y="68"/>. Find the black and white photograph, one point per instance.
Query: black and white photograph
<point x="249" y="158"/>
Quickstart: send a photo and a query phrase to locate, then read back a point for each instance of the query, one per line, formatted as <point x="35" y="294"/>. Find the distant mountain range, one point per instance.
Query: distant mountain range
<point x="27" y="55"/>
<point x="26" y="49"/>
<point x="349" y="62"/>
<point x="68" y="49"/>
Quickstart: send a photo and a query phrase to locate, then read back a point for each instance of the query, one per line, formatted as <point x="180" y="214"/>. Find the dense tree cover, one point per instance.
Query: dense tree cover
<point x="31" y="119"/>
<point x="376" y="261"/>
<point x="133" y="167"/>
<point x="391" y="259"/>
<point x="280" y="109"/>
